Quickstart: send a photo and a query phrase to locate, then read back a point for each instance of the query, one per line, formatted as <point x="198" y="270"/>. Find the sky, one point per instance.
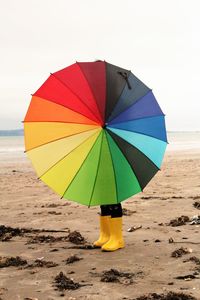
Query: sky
<point x="159" y="41"/>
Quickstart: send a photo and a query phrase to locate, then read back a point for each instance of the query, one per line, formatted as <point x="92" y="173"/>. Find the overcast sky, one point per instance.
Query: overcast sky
<point x="158" y="40"/>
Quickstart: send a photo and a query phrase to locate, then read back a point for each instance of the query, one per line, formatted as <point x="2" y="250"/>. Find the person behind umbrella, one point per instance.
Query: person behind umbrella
<point x="110" y="238"/>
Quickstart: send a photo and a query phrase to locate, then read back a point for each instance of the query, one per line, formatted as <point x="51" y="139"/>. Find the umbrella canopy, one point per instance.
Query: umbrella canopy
<point x="95" y="133"/>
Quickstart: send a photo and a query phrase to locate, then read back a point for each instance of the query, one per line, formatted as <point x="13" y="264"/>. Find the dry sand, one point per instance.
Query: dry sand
<point x="26" y="203"/>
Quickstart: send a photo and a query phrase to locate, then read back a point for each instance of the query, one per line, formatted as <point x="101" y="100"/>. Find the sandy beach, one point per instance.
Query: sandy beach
<point x="27" y="203"/>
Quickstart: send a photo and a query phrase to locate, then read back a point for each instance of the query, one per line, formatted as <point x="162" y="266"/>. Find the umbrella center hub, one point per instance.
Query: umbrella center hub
<point x="105" y="125"/>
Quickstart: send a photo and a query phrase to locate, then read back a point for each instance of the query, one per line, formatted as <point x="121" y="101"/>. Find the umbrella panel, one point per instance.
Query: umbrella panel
<point x="150" y="126"/>
<point x="42" y="133"/>
<point x="95" y="72"/>
<point x="105" y="184"/>
<point x="42" y="110"/>
<point x="60" y="175"/>
<point x="126" y="181"/>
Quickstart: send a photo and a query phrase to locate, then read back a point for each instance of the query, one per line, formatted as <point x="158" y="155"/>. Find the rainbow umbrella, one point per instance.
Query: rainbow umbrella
<point x="95" y="133"/>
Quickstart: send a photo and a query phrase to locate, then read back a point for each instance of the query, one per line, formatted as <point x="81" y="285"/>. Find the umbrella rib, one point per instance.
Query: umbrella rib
<point x="96" y="172"/>
<point x="60" y="122"/>
<point x="81" y="164"/>
<point x="76" y="96"/>
<point x="91" y="91"/>
<point x="65" y="156"/>
<point x="126" y="160"/>
<point x="58" y="139"/>
<point x="134" y="131"/>
<point x="116" y="187"/>
<point x="135" y="119"/>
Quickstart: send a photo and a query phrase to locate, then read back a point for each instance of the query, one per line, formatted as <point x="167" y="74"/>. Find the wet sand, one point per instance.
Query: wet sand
<point x="26" y="202"/>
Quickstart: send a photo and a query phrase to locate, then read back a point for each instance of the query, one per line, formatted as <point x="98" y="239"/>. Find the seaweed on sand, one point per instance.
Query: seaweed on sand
<point x="168" y="296"/>
<point x="62" y="282"/>
<point x="12" y="261"/>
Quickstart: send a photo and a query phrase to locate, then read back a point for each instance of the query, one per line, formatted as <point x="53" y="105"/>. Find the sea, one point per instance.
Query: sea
<point x="12" y="143"/>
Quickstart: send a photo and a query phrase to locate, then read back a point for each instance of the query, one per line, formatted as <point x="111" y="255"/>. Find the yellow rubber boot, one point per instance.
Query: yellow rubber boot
<point x="116" y="239"/>
<point x="104" y="231"/>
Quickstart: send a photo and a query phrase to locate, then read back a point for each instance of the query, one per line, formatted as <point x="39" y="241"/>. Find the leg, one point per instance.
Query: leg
<point x="116" y="210"/>
<point x="105" y="210"/>
<point x="104" y="226"/>
<point x="115" y="225"/>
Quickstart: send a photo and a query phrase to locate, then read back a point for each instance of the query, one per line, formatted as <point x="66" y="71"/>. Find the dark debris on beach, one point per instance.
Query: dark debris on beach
<point x="7" y="232"/>
<point x="179" y="221"/>
<point x="62" y="282"/>
<point x="83" y="247"/>
<point x="71" y="259"/>
<point x="113" y="275"/>
<point x="35" y="237"/>
<point x="154" y="197"/>
<point x="39" y="263"/>
<point x="196" y="204"/>
<point x="194" y="259"/>
<point x="128" y="212"/>
<point x="12" y="261"/>
<point x="180" y="252"/>
<point x="168" y="296"/>
<point x="187" y="277"/>
<point x="197" y="197"/>
<point x="23" y="264"/>
<point x="75" y="237"/>
<point x="40" y="239"/>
